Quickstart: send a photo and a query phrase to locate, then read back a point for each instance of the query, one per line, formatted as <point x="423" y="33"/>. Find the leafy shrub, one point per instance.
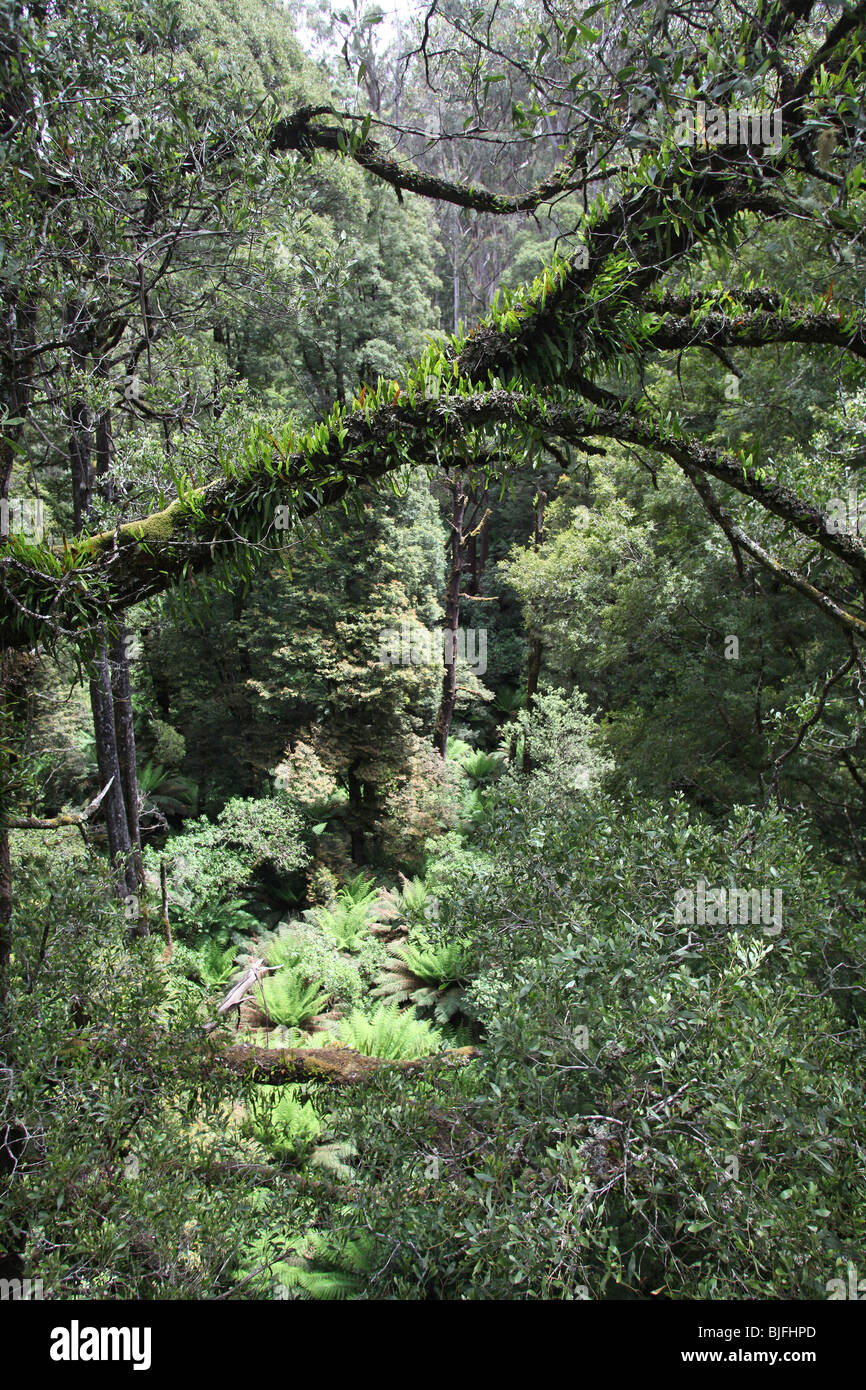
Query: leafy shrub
<point x="304" y="947"/>
<point x="695" y="1044"/>
<point x="211" y="861"/>
<point x="104" y="1201"/>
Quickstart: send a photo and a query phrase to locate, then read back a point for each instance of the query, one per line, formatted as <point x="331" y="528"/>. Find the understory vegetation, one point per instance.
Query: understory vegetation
<point x="432" y="782"/>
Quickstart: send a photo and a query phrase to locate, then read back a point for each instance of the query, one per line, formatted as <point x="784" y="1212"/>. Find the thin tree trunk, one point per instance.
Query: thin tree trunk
<point x="17" y="334"/>
<point x="5" y="856"/>
<point x="110" y="692"/>
<point x="455" y="270"/>
<point x="536" y="650"/>
<point x="124" y="733"/>
<point x="119" y="843"/>
<point x="80" y="447"/>
<point x="356" y="818"/>
<point x="452" y="622"/>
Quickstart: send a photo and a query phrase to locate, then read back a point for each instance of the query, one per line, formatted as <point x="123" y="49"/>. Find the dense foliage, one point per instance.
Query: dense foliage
<point x="432" y="691"/>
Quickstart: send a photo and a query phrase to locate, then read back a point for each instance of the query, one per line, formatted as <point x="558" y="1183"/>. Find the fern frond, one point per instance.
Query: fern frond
<point x="290" y="999"/>
<point x="389" y="1033"/>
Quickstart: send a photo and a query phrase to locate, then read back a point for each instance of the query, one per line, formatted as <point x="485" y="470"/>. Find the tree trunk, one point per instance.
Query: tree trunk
<point x="337" y="1066"/>
<point x="356" y="818"/>
<point x="124" y="733"/>
<point x="533" y="665"/>
<point x="80" y="446"/>
<point x="452" y="621"/>
<point x="110" y="692"/>
<point x="5" y="857"/>
<point x="120" y="847"/>
<point x="17" y="334"/>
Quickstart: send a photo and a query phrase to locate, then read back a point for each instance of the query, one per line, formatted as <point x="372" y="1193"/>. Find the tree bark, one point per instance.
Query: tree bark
<point x="357" y="837"/>
<point x="533" y="665"/>
<point x="110" y="690"/>
<point x="120" y="847"/>
<point x="80" y="447"/>
<point x="337" y="1066"/>
<point x="121" y="696"/>
<point x="452" y="621"/>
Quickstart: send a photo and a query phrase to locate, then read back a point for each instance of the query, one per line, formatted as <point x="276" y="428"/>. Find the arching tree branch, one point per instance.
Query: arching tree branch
<point x="301" y="131"/>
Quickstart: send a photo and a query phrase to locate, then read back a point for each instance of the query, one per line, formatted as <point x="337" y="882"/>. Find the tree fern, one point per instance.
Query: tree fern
<point x="415" y="898"/>
<point x="389" y="1033"/>
<point x="332" y="1157"/>
<point x="283" y="950"/>
<point x="170" y="792"/>
<point x="358" y="890"/>
<point x="290" y="999"/>
<point x="432" y="977"/>
<point x="330" y="1270"/>
<point x="483" y="768"/>
<point x="348" y="923"/>
<point x="440" y="966"/>
<point x="215" y="965"/>
<point x="416" y="966"/>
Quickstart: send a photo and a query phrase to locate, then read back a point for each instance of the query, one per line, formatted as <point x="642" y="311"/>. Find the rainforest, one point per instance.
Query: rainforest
<point x="432" y="707"/>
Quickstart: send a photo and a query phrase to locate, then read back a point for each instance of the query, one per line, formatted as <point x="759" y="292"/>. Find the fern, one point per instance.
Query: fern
<point x="304" y="946"/>
<point x="214" y="965"/>
<point x="332" y="1158"/>
<point x="474" y="807"/>
<point x="220" y="923"/>
<point x="389" y="1033"/>
<point x="458" y="749"/>
<point x="287" y="1127"/>
<point x="414" y="897"/>
<point x="431" y="977"/>
<point x="483" y="768"/>
<point x="283" y="950"/>
<point x="327" y="1270"/>
<point x="171" y="792"/>
<point x="358" y="890"/>
<point x="276" y="1037"/>
<point x="347" y="923"/>
<point x="290" y="999"/>
<point x="439" y="966"/>
<point x="509" y="701"/>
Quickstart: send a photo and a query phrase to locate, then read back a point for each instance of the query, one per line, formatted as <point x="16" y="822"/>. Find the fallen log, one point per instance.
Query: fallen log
<point x="336" y="1066"/>
<point x="268" y="1066"/>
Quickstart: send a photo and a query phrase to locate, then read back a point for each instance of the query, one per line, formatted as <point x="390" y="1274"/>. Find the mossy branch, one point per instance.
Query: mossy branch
<point x="334" y="1066"/>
